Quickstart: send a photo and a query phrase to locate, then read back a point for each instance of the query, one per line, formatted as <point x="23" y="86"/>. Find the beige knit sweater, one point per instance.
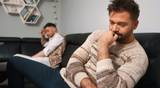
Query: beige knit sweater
<point x="127" y="64"/>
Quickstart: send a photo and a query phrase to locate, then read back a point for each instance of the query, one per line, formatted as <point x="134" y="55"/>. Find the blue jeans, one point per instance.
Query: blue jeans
<point x="40" y="75"/>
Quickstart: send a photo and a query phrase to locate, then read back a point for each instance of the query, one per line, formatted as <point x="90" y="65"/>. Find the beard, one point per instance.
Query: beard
<point x="121" y="38"/>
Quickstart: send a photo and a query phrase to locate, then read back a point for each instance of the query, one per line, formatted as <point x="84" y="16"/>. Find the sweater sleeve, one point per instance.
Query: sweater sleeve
<point x="75" y="70"/>
<point x="125" y="76"/>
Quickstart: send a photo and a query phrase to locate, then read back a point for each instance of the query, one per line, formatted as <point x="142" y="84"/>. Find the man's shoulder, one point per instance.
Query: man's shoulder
<point x="136" y="48"/>
<point x="96" y="34"/>
<point x="57" y="36"/>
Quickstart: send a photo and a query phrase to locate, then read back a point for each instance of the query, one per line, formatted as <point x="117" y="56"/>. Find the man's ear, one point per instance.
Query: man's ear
<point x="135" y="24"/>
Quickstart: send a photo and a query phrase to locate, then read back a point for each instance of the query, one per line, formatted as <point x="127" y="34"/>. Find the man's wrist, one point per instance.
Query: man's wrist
<point x="87" y="83"/>
<point x="103" y="53"/>
<point x="84" y="81"/>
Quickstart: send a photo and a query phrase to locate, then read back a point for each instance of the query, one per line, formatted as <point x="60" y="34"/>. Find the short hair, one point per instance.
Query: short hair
<point x="125" y="5"/>
<point x="50" y="25"/>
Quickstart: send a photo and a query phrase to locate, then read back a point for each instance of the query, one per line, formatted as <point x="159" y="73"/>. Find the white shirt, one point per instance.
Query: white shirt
<point x="50" y="46"/>
<point x="53" y="42"/>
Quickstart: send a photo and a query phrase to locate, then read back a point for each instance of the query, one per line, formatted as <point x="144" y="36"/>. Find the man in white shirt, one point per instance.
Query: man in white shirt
<point x="39" y="68"/>
<point x="51" y="40"/>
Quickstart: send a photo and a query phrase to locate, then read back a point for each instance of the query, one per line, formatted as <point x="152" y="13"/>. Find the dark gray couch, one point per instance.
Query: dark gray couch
<point x="12" y="45"/>
<point x="150" y="42"/>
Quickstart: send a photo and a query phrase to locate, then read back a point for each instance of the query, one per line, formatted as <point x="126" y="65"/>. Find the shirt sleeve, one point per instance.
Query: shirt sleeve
<point x="56" y="40"/>
<point x="45" y="44"/>
<point x="125" y="76"/>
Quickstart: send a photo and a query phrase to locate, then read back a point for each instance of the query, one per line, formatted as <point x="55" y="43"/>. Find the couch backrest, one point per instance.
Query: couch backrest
<point x="8" y="47"/>
<point x="30" y="46"/>
<point x="13" y="45"/>
<point x="150" y="42"/>
<point x="73" y="41"/>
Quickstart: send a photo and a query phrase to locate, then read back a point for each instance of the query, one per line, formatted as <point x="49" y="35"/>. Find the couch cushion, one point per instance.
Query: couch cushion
<point x="8" y="47"/>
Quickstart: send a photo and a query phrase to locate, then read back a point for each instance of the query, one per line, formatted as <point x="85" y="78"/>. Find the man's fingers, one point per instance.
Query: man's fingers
<point x="115" y="37"/>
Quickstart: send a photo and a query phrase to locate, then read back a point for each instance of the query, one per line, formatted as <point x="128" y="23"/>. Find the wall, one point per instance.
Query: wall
<point x="89" y="15"/>
<point x="77" y="16"/>
<point x="149" y="16"/>
<point x="12" y="26"/>
<point x="82" y="15"/>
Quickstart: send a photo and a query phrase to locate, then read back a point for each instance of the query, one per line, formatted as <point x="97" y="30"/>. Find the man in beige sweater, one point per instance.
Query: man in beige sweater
<point x="109" y="58"/>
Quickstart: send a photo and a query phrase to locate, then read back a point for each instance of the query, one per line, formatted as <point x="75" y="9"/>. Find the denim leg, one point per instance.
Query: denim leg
<point x="15" y="79"/>
<point x="41" y="75"/>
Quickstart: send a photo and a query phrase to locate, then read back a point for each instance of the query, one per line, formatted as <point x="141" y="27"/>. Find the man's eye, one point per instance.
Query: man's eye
<point x="111" y="23"/>
<point x="122" y="24"/>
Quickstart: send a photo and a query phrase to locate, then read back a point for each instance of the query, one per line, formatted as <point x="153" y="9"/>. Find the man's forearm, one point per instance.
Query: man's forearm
<point x="39" y="54"/>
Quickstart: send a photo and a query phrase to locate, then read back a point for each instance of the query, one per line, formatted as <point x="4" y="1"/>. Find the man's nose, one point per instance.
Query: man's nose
<point x="115" y="28"/>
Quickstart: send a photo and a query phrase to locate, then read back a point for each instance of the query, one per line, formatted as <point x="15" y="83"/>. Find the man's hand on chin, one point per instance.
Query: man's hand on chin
<point x="106" y="39"/>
